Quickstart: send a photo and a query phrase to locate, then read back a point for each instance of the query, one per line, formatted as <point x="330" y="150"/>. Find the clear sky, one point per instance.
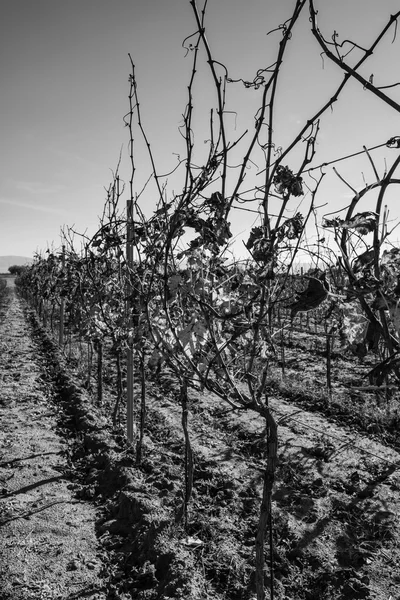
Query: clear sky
<point x="64" y="71"/>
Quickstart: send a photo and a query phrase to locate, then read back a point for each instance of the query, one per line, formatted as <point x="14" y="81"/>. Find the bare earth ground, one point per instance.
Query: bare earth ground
<point x="48" y="544"/>
<point x="78" y="520"/>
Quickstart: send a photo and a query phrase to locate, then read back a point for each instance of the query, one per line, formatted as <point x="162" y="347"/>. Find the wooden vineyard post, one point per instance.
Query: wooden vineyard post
<point x="329" y="347"/>
<point x="188" y="452"/>
<point x="265" y="509"/>
<point x="129" y="353"/>
<point x="62" y="306"/>
<point x="99" y="349"/>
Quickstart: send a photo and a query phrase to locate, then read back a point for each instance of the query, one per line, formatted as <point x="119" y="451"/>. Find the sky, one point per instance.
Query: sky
<point x="64" y="80"/>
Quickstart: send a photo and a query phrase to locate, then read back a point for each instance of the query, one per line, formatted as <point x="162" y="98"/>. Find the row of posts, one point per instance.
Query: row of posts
<point x="130" y="428"/>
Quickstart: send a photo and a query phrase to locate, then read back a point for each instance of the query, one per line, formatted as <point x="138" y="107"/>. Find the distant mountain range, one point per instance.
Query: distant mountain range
<point x="9" y="261"/>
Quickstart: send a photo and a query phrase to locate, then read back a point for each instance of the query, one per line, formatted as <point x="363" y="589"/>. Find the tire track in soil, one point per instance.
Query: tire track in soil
<point x="48" y="546"/>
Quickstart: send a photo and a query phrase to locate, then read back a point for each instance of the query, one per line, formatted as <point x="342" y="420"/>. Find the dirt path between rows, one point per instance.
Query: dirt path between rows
<point x="48" y="545"/>
<point x="336" y="499"/>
